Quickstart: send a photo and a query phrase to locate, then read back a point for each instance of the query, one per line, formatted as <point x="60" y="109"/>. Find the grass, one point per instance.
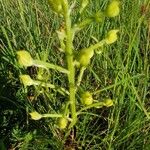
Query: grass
<point x="121" y="72"/>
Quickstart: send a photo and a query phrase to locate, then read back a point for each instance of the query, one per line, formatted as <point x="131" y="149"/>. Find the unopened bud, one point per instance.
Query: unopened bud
<point x="62" y="123"/>
<point x="35" y="115"/>
<point x="87" y="98"/>
<point x="24" y="58"/>
<point x="85" y="56"/>
<point x="26" y="80"/>
<point x="111" y="36"/>
<point x="108" y="102"/>
<point x="113" y="9"/>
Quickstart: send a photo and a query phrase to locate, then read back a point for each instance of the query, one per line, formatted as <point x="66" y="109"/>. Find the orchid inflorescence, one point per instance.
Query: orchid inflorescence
<point x="74" y="61"/>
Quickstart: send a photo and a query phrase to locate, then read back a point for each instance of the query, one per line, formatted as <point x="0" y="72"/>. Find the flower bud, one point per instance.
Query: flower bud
<point x="113" y="9"/>
<point x="56" y="6"/>
<point x="87" y="98"/>
<point x="26" y="80"/>
<point x="24" y="58"/>
<point x="108" y="102"/>
<point x="35" y="115"/>
<point x="84" y="56"/>
<point x="111" y="36"/>
<point x="62" y="123"/>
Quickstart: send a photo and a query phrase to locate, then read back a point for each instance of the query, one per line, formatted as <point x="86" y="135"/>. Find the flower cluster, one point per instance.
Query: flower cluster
<point x="80" y="59"/>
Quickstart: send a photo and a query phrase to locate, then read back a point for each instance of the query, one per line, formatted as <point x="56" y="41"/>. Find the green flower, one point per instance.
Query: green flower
<point x="113" y="9"/>
<point x="87" y="98"/>
<point x="111" y="36"/>
<point x="26" y="80"/>
<point x="35" y="115"/>
<point x="85" y="56"/>
<point x="108" y="102"/>
<point x="24" y="58"/>
<point x="62" y="123"/>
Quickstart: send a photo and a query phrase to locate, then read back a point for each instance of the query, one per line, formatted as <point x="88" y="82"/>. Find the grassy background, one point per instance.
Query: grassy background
<point x="121" y="72"/>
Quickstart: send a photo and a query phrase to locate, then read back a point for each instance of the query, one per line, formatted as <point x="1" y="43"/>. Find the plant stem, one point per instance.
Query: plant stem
<point x="52" y="86"/>
<point x="46" y="65"/>
<point x="69" y="57"/>
<point x="97" y="45"/>
<point x="52" y="115"/>
<point x="99" y="104"/>
<point x="79" y="26"/>
<point x="80" y="76"/>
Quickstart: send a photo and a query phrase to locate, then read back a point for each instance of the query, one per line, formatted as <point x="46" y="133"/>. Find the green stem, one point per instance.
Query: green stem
<point x="66" y="108"/>
<point x="97" y="45"/>
<point x="70" y="62"/>
<point x="79" y="26"/>
<point x="99" y="104"/>
<point x="52" y="115"/>
<point x="46" y="65"/>
<point x="80" y="76"/>
<point x="60" y="90"/>
<point x="35" y="82"/>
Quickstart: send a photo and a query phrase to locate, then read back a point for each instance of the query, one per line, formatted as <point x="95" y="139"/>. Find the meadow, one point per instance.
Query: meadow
<point x="120" y="72"/>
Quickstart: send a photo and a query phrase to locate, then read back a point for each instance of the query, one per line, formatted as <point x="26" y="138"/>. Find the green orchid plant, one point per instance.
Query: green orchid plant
<point x="74" y="61"/>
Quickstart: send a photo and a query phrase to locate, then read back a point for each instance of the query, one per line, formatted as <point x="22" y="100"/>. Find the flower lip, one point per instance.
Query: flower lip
<point x="113" y="9"/>
<point x="35" y="115"/>
<point x="108" y="102"/>
<point x="87" y="98"/>
<point x="111" y="36"/>
<point x="24" y="58"/>
<point x="62" y="123"/>
<point x="26" y="80"/>
<point x="85" y="56"/>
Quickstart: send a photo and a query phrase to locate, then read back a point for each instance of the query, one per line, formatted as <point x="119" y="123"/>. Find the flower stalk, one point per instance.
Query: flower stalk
<point x="27" y="81"/>
<point x="70" y="62"/>
<point x="80" y="76"/>
<point x="46" y="65"/>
